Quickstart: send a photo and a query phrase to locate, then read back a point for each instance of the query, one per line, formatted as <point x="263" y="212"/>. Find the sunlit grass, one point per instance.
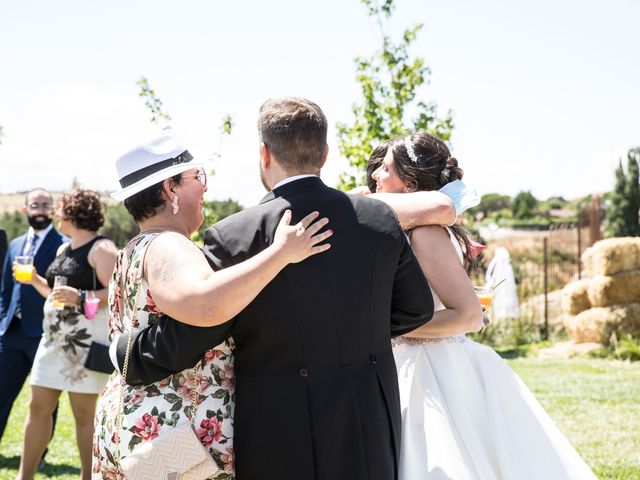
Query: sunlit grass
<point x="595" y="402"/>
<point x="62" y="462"/>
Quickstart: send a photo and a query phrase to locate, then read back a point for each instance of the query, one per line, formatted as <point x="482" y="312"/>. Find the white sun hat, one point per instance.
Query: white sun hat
<point x="151" y="163"/>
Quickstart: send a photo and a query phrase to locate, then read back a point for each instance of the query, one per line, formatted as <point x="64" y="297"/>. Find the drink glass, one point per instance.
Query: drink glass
<point x="23" y="268"/>
<point x="91" y="305"/>
<point x="485" y="295"/>
<point x="59" y="281"/>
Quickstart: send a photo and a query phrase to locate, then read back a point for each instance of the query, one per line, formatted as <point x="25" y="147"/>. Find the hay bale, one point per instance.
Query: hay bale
<point x="575" y="298"/>
<point x="598" y="323"/>
<point x="610" y="290"/>
<point x="587" y="326"/>
<point x="611" y="256"/>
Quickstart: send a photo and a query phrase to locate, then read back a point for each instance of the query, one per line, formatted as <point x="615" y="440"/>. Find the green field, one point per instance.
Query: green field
<point x="596" y="403"/>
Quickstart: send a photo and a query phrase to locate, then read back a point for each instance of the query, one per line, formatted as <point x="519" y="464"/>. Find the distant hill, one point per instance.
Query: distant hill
<point x="14" y="201"/>
<point x="11" y="202"/>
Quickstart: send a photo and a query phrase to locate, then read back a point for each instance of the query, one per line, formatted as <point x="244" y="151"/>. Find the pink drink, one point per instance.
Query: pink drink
<point x="91" y="306"/>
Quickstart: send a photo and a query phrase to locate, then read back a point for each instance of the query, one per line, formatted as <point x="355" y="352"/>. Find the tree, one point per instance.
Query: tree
<point x="153" y="103"/>
<point x="524" y="205"/>
<point x="622" y="212"/>
<point x="556" y="202"/>
<point x="489" y="203"/>
<point x="389" y="81"/>
<point x="14" y="223"/>
<point x="215" y="211"/>
<point x="618" y="204"/>
<point x="226" y="126"/>
<point x="632" y="191"/>
<point x="119" y="225"/>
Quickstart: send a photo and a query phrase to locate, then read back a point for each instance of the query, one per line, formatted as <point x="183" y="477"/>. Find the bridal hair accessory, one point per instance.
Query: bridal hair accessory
<point x="475" y="248"/>
<point x="463" y="197"/>
<point x="408" y="144"/>
<point x="174" y="205"/>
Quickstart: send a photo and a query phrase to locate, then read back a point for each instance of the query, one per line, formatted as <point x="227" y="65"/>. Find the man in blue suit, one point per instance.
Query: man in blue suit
<point x="21" y="305"/>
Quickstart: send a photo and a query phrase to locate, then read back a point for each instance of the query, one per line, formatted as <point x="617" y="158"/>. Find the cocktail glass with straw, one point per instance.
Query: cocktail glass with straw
<point x="485" y="294"/>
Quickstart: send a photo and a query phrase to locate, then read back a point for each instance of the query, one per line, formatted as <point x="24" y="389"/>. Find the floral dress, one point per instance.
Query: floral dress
<point x="68" y="333"/>
<point x="150" y="409"/>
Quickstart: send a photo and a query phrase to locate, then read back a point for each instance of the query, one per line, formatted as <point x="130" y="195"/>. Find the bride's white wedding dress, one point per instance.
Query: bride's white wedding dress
<point x="466" y="415"/>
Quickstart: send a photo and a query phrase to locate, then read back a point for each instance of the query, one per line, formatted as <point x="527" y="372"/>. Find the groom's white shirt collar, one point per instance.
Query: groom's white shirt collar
<point x="292" y="179"/>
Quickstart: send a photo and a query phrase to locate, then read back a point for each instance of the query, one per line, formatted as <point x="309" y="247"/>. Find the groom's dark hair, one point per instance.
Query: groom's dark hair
<point x="295" y="131"/>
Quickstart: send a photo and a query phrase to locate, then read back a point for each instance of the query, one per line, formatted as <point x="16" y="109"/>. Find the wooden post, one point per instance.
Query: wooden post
<point x="594" y="220"/>
<point x="546" y="288"/>
<point x="579" y="250"/>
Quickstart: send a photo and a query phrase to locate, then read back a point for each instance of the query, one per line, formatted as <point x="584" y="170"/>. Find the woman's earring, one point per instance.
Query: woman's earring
<point x="174" y="205"/>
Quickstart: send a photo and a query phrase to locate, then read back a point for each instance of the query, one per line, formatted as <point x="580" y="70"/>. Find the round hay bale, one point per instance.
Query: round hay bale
<point x="611" y="290"/>
<point x="575" y="298"/>
<point x="611" y="256"/>
<point x="598" y="323"/>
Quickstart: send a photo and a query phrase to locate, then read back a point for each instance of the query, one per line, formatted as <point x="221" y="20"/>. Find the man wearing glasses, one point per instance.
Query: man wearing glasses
<point x="21" y="306"/>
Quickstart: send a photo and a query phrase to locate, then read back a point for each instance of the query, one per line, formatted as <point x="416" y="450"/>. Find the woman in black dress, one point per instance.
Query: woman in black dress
<point x="86" y="262"/>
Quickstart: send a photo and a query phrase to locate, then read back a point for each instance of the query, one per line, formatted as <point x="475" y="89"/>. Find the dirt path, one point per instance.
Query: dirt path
<point x="567" y="349"/>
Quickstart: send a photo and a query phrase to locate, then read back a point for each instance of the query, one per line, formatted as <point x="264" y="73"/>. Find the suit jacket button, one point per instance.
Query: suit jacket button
<point x="304" y="372"/>
<point x="373" y="359"/>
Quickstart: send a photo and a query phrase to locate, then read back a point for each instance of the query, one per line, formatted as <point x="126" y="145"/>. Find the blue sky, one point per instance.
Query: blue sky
<point x="544" y="93"/>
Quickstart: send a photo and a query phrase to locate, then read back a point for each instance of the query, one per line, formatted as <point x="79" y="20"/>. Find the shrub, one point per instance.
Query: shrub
<point x="510" y="332"/>
<point x="628" y="348"/>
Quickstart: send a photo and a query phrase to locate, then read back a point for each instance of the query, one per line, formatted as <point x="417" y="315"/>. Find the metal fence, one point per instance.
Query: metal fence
<point x="542" y="272"/>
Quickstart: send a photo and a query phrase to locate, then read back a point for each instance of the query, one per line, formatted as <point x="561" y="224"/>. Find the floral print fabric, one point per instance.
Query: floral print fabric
<point x="148" y="410"/>
<point x="63" y="349"/>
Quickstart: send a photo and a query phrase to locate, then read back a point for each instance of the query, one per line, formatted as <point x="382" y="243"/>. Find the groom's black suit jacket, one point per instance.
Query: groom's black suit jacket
<point x="316" y="385"/>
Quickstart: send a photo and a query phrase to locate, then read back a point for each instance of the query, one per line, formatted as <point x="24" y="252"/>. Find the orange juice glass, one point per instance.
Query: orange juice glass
<point x="23" y="268"/>
<point x="485" y="296"/>
<point x="486" y="299"/>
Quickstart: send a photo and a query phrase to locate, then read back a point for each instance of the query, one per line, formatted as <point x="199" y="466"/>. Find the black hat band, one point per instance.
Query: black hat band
<point x="141" y="174"/>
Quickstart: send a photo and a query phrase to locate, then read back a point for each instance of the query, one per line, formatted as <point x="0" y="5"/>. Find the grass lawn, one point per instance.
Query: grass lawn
<point x="595" y="402"/>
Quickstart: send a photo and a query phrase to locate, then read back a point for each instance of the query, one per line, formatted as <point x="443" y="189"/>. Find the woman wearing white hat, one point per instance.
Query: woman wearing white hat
<point x="161" y="273"/>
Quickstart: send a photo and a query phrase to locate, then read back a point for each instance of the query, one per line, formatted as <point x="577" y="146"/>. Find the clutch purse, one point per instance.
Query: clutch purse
<point x="98" y="358"/>
<point x="178" y="454"/>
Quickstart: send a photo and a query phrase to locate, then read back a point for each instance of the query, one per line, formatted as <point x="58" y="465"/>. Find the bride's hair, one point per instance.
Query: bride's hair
<point x="428" y="165"/>
<point x="422" y="162"/>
